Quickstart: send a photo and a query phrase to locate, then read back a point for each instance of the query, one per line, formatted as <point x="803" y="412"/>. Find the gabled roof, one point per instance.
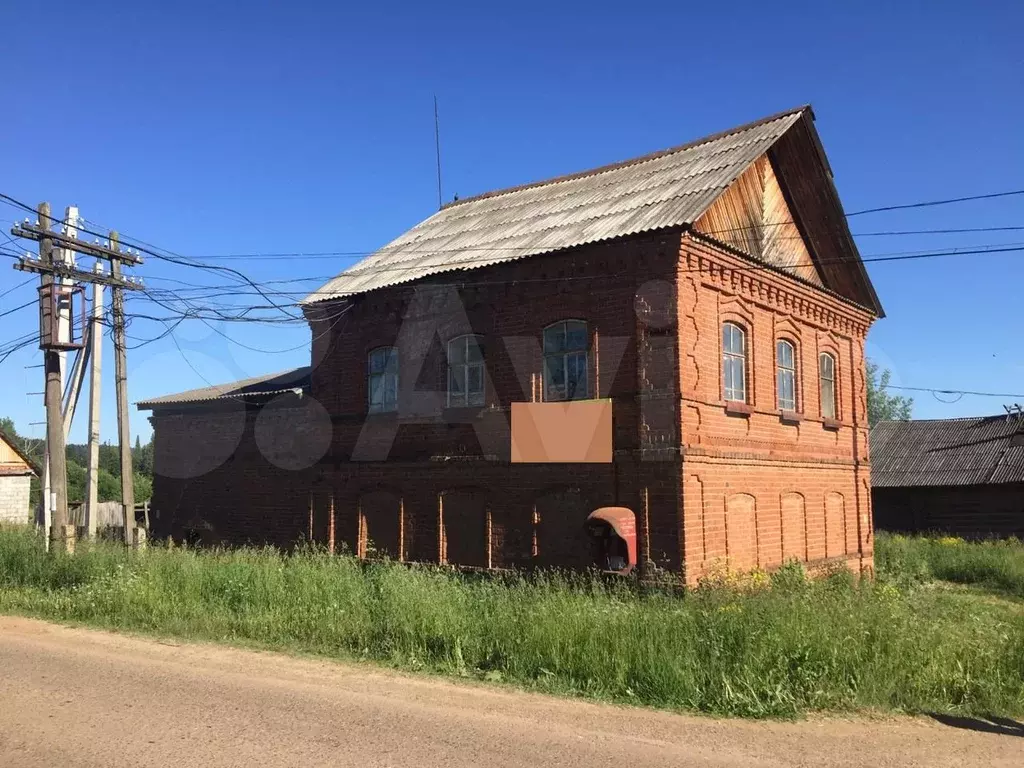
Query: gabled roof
<point x="671" y="188"/>
<point x="973" y="451"/>
<point x="13" y="444"/>
<point x="256" y="387"/>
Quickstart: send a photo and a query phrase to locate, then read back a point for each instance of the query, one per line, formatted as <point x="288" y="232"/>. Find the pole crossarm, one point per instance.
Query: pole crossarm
<point x="35" y="265"/>
<point x="35" y="232"/>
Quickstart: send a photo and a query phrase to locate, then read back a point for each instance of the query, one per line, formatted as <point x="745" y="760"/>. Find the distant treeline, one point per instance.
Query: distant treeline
<point x="109" y="476"/>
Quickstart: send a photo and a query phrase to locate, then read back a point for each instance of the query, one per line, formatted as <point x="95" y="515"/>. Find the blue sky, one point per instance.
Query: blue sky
<point x="223" y="128"/>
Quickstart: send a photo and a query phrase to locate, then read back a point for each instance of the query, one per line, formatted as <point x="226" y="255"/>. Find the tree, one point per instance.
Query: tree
<point x="881" y="405"/>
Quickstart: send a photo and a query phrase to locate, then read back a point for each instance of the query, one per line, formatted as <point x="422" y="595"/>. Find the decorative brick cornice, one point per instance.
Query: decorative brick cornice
<point x="716" y="266"/>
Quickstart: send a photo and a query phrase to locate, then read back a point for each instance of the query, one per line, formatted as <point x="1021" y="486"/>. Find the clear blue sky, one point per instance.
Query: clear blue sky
<point x="216" y="128"/>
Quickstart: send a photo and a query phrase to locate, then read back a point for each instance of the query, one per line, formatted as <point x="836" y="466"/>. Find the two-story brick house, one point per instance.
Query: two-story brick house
<point x="711" y="294"/>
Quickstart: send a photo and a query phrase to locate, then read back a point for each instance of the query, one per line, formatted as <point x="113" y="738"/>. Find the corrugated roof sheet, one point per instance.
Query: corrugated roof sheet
<point x="268" y="384"/>
<point x="974" y="451"/>
<point x="666" y="189"/>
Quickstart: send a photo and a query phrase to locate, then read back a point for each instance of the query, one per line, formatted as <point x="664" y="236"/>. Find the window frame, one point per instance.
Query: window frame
<point x="792" y="371"/>
<point x="833" y="381"/>
<point x="465" y="364"/>
<point x="565" y="355"/>
<point x="742" y="356"/>
<point x="390" y="369"/>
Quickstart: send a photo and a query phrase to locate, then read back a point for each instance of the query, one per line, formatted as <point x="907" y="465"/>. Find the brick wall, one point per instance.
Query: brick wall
<point x="14" y="490"/>
<point x="433" y="483"/>
<point x="761" y="486"/>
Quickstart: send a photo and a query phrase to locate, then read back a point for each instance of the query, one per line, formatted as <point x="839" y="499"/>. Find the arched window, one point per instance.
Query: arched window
<point x="465" y="372"/>
<point x="734" y="362"/>
<point x="565" y="361"/>
<point x="785" y="375"/>
<point x="827" y="377"/>
<point x="382" y="379"/>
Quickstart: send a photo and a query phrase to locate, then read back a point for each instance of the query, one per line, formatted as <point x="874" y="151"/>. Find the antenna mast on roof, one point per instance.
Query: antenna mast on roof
<point x="437" y="147"/>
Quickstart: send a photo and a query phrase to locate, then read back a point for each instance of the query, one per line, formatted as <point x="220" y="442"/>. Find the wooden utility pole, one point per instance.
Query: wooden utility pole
<point x="95" y="354"/>
<point x="55" y="447"/>
<point x="124" y="437"/>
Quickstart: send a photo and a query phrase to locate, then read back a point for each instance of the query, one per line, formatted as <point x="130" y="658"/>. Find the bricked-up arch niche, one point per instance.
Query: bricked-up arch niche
<point x="794" y="527"/>
<point x="741" y="531"/>
<point x="560" y="537"/>
<point x="465" y="527"/>
<point x="835" y="524"/>
<point x="381" y="524"/>
<point x="734" y="362"/>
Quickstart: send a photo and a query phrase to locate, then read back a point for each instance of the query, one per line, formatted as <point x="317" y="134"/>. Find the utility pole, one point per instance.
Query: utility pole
<point x="55" y="449"/>
<point x="96" y="353"/>
<point x="55" y="297"/>
<point x="124" y="437"/>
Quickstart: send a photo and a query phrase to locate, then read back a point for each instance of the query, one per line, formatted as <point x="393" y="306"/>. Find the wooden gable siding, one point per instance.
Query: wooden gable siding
<point x="10" y="460"/>
<point x="753" y="217"/>
<point x="806" y="182"/>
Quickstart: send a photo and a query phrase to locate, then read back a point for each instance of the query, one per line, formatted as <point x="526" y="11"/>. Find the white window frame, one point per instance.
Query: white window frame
<point x="554" y="391"/>
<point x="731" y="331"/>
<point x="784" y="371"/>
<point x="383" y="380"/>
<point x="829" y="405"/>
<point x="461" y="369"/>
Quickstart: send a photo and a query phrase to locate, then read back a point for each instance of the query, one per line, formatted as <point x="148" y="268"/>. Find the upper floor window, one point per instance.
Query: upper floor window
<point x="734" y="362"/>
<point x="465" y="372"/>
<point x="382" y="379"/>
<point x="565" y="361"/>
<point x="827" y="377"/>
<point x="785" y="375"/>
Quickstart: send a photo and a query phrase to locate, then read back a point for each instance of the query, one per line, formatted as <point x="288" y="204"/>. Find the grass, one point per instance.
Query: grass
<point x="996" y="566"/>
<point x="768" y="647"/>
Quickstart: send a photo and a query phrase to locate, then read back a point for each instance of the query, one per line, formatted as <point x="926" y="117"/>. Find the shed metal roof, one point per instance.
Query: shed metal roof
<point x="257" y="386"/>
<point x="665" y="189"/>
<point x="972" y="451"/>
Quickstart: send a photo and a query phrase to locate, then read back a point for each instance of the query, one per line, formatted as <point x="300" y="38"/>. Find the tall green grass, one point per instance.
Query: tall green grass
<point x="996" y="565"/>
<point x="779" y="650"/>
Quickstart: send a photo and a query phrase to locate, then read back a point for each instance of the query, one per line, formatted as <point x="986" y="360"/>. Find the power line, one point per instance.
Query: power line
<point x="931" y="203"/>
<point x="23" y="306"/>
<point x="955" y="392"/>
<point x="19" y="285"/>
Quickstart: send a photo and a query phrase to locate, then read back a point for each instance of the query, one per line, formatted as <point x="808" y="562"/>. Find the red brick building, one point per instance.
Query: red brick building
<point x="711" y="294"/>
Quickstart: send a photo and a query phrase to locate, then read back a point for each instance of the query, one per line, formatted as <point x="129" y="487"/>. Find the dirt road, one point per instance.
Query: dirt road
<point x="74" y="697"/>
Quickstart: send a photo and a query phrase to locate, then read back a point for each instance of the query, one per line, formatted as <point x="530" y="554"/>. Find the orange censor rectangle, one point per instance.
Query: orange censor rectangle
<point x="578" y="431"/>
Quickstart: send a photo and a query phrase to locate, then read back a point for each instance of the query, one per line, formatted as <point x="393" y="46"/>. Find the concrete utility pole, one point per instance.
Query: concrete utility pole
<point x="124" y="437"/>
<point x="54" y="297"/>
<point x="55" y="448"/>
<point x="96" y="354"/>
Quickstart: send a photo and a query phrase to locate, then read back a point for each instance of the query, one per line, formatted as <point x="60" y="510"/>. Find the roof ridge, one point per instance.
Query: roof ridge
<point x="954" y="418"/>
<point x="633" y="160"/>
